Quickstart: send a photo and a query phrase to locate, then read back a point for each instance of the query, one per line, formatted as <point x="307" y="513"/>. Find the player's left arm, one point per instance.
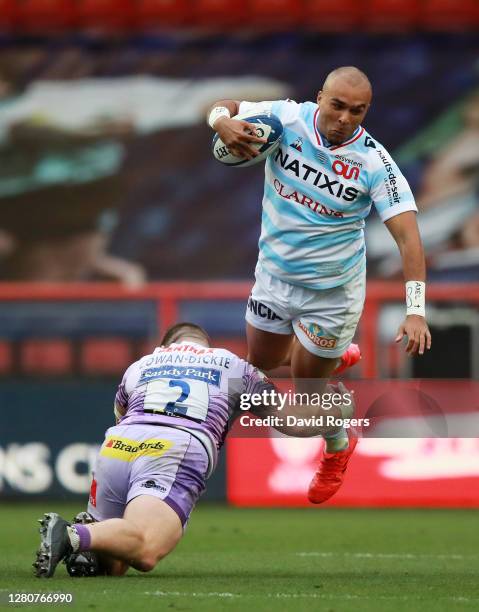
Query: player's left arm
<point x="405" y="231"/>
<point x="120" y="405"/>
<point x="394" y="201"/>
<point x="122" y="396"/>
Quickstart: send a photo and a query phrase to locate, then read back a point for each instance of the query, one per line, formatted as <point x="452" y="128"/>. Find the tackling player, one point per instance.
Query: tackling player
<point x="310" y="276"/>
<point x="172" y="410"/>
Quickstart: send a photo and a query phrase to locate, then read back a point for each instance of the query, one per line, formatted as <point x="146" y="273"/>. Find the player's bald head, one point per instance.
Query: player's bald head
<point x="349" y="76"/>
<point x="343" y="102"/>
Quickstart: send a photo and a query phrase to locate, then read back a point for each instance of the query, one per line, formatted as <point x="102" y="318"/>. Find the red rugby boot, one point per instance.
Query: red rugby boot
<point x="330" y="473"/>
<point x="349" y="358"/>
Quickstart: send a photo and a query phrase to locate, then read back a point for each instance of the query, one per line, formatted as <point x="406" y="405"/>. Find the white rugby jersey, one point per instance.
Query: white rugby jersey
<point x="317" y="197"/>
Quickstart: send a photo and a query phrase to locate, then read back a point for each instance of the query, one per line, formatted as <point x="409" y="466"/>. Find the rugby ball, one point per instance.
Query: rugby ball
<point x="267" y="126"/>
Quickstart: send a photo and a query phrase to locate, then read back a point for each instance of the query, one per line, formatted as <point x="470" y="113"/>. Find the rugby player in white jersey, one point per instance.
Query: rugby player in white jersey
<point x="172" y="408"/>
<point x="310" y="277"/>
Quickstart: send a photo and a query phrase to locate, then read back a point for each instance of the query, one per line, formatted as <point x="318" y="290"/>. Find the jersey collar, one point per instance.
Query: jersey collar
<point x="158" y="349"/>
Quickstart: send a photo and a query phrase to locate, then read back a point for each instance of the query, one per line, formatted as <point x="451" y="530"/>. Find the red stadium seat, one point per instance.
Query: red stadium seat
<point x="8" y="13"/>
<point x="105" y="14"/>
<point x="144" y="347"/>
<point x="46" y="357"/>
<point x="41" y="15"/>
<point x="5" y="357"/>
<point x="105" y="356"/>
<point x="267" y="14"/>
<point x="161" y="13"/>
<point x="220" y="13"/>
<point x="333" y="15"/>
<point x="392" y="15"/>
<point x="450" y="14"/>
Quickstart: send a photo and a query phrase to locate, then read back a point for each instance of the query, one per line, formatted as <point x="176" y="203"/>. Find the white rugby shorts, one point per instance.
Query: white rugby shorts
<point x="324" y="320"/>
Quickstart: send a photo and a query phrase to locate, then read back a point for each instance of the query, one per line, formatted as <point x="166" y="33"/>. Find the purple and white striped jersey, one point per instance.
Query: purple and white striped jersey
<point x="190" y="387"/>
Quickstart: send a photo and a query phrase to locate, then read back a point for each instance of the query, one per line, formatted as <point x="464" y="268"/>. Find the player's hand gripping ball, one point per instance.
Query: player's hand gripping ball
<point x="267" y="125"/>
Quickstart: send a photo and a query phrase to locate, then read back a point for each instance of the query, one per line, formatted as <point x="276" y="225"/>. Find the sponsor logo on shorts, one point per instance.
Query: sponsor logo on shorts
<point x="316" y="334"/>
<point x="129" y="450"/>
<point x="151" y="484"/>
<point x="261" y="310"/>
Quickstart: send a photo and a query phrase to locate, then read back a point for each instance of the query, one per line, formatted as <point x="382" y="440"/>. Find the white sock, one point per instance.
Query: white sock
<point x="337" y="442"/>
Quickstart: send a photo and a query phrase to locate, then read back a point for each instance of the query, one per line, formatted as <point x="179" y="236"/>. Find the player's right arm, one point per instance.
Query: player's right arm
<point x="237" y="135"/>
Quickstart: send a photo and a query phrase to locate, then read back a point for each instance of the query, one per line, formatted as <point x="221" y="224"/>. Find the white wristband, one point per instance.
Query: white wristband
<point x="416" y="298"/>
<point x="216" y="113"/>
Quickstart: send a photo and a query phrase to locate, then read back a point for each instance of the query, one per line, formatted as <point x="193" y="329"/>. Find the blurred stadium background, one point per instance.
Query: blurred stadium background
<point x="116" y="221"/>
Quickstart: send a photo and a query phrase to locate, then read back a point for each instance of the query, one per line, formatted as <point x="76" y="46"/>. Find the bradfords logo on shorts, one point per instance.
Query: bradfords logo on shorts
<point x="129" y="450"/>
<point x="316" y="335"/>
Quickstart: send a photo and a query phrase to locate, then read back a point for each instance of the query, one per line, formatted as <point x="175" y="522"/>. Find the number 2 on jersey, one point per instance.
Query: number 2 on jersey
<point x="172" y="407"/>
<point x="176" y="397"/>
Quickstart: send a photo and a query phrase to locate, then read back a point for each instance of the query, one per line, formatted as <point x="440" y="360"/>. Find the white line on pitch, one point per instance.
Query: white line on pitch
<point x="190" y="594"/>
<point x="368" y="555"/>
<point x="329" y="596"/>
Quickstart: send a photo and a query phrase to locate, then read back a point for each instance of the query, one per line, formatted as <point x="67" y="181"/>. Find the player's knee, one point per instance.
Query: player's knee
<point x="150" y="556"/>
<point x="147" y="563"/>
<point x="149" y="560"/>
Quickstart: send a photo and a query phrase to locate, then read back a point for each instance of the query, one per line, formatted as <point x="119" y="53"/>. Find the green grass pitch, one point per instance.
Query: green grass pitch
<point x="274" y="559"/>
